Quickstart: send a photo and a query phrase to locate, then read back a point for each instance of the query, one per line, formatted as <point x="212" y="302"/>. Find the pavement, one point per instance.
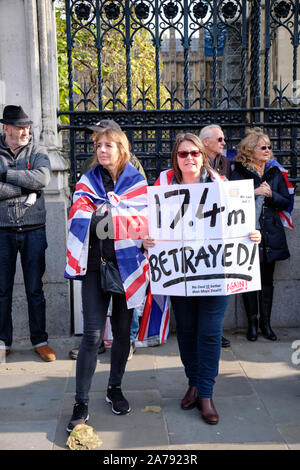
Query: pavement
<point x="257" y="395"/>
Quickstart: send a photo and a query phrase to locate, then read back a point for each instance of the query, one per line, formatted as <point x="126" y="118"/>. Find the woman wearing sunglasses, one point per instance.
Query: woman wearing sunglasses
<point x="255" y="161"/>
<point x="199" y="319"/>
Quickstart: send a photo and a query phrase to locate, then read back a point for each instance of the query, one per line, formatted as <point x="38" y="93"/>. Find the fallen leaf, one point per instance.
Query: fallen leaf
<point x="83" y="437"/>
<point x="151" y="409"/>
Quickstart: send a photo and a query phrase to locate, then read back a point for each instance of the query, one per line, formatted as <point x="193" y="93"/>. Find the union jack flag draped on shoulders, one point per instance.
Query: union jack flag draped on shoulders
<point x="128" y="206"/>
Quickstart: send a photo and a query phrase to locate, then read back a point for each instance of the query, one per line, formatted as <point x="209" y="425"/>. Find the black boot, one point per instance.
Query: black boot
<point x="265" y="307"/>
<point x="251" y="307"/>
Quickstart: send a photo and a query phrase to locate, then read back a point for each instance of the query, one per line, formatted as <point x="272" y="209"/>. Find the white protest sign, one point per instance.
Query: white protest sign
<point x="201" y="234"/>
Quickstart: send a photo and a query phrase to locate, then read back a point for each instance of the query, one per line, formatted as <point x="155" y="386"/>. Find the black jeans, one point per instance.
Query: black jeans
<point x="267" y="273"/>
<point x="95" y="304"/>
<point x="31" y="245"/>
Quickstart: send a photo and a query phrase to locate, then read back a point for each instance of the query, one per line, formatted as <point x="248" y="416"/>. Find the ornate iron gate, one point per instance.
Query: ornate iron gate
<point x="230" y="62"/>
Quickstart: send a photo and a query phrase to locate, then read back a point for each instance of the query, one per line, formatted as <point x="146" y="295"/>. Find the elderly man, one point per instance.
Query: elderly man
<point x="213" y="140"/>
<point x="24" y="173"/>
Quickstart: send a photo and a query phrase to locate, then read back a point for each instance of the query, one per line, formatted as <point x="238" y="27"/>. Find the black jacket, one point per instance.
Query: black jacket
<point x="29" y="169"/>
<point x="221" y="165"/>
<point x="273" y="245"/>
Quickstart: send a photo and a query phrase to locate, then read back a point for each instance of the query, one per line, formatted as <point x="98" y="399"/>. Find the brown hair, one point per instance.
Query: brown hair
<point x="246" y="147"/>
<point x="119" y="137"/>
<point x="192" y="138"/>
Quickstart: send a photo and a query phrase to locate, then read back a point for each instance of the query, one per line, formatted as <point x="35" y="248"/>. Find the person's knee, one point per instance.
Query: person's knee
<point x="91" y="339"/>
<point x="122" y="336"/>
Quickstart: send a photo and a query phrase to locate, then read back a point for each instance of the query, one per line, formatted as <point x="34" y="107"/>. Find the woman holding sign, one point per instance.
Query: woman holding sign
<point x="255" y="161"/>
<point x="109" y="209"/>
<point x="199" y="319"/>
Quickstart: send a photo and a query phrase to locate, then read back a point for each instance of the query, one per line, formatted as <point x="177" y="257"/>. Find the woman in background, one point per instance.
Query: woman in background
<point x="271" y="196"/>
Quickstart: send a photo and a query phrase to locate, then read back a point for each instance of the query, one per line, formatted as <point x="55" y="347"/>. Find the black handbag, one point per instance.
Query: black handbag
<point x="110" y="277"/>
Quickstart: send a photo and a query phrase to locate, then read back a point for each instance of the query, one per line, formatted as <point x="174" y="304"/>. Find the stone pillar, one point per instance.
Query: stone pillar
<point x="28" y="77"/>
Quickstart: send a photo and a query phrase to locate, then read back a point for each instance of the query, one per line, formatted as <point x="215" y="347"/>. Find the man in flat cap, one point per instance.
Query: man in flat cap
<point x="24" y="173"/>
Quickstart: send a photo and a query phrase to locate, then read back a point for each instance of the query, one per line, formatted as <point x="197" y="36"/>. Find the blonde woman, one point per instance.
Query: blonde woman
<point x="271" y="195"/>
<point x="112" y="182"/>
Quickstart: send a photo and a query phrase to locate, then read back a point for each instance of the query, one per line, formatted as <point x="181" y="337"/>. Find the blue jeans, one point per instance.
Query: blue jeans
<point x="199" y="323"/>
<point x="95" y="304"/>
<point x="31" y="245"/>
<point x="135" y="325"/>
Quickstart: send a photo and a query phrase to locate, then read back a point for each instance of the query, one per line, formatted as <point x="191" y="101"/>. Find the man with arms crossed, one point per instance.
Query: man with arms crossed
<point x="24" y="173"/>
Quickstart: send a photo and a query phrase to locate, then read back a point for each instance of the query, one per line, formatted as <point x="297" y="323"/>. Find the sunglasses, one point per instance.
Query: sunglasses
<point x="265" y="147"/>
<point x="193" y="153"/>
<point x="220" y="139"/>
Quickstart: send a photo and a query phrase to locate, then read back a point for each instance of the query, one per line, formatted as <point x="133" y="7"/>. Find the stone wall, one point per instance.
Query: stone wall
<point x="28" y="77"/>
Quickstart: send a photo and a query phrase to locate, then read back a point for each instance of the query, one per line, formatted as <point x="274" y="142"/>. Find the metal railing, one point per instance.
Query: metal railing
<point x="239" y="41"/>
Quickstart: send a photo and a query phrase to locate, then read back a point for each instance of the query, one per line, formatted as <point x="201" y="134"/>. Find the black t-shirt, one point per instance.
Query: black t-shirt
<point x="104" y="230"/>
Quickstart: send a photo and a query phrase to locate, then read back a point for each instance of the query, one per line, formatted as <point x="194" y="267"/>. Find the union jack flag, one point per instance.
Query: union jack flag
<point x="166" y="177"/>
<point x="154" y="327"/>
<point x="128" y="207"/>
<point x="285" y="216"/>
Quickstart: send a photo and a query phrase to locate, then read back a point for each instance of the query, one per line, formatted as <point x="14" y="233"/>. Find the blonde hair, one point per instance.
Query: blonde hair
<point x="246" y="148"/>
<point x="174" y="163"/>
<point x="120" y="139"/>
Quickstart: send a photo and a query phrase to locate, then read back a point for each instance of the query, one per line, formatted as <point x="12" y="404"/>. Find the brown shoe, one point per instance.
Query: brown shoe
<point x="46" y="353"/>
<point x="208" y="410"/>
<point x="189" y="400"/>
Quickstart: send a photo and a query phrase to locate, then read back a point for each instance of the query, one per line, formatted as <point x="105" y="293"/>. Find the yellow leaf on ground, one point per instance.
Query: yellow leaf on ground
<point x="83" y="437"/>
<point x="151" y="409"/>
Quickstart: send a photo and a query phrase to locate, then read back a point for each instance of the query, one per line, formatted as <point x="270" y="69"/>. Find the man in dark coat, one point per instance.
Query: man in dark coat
<point x="24" y="173"/>
<point x="213" y="140"/>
